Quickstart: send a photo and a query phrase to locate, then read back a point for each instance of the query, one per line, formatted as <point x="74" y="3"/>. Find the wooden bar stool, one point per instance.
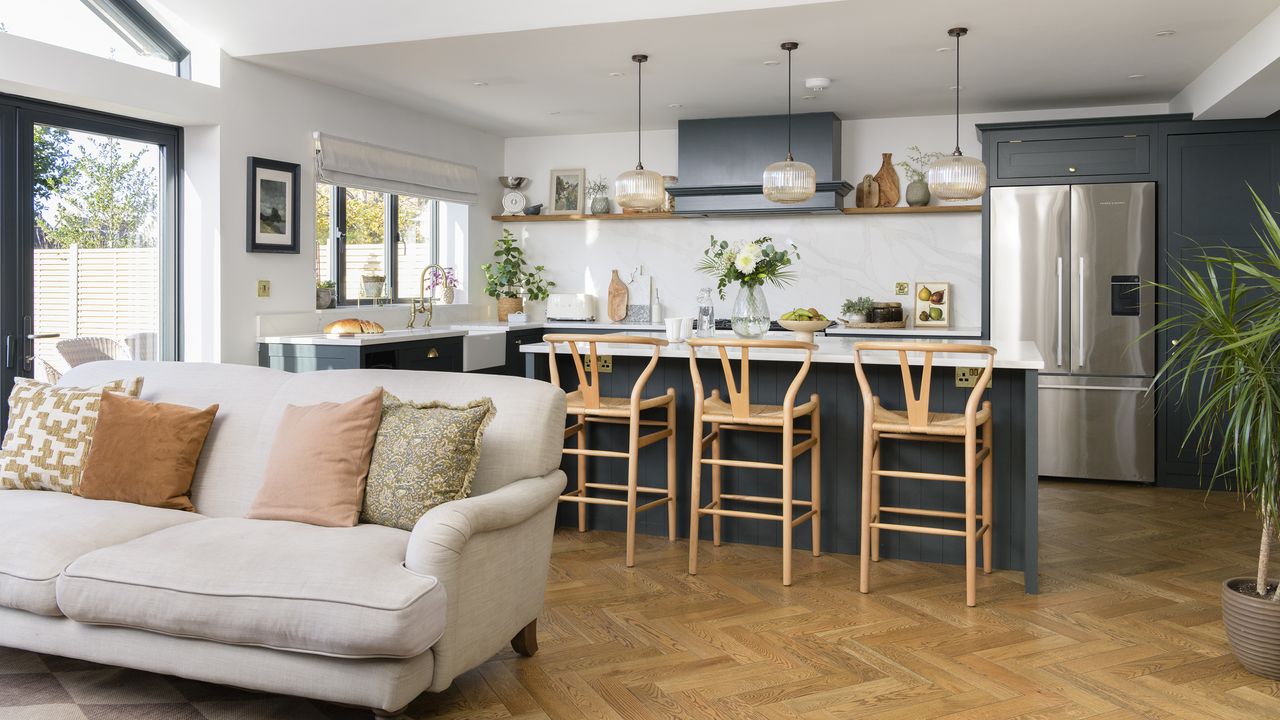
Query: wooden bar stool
<point x="740" y="414"/>
<point x="918" y="423"/>
<point x="587" y="405"/>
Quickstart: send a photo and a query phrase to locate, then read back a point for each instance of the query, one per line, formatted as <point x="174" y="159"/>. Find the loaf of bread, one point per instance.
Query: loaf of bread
<point x="352" y="326"/>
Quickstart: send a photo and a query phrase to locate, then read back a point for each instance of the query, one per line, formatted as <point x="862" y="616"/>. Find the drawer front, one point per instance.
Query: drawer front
<point x="1074" y="157"/>
<point x="442" y="355"/>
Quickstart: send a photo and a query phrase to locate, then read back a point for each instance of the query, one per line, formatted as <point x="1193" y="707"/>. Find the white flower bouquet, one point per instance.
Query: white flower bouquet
<point x="748" y="263"/>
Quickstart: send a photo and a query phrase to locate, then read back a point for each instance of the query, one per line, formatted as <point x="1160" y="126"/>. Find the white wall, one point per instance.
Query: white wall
<point x="842" y="257"/>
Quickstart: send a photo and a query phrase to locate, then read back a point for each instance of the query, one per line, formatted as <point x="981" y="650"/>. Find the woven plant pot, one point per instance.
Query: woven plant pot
<point x="1253" y="628"/>
<point x="508" y="305"/>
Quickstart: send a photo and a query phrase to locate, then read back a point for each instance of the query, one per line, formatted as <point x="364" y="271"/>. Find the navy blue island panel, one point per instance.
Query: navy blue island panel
<point x="1012" y="394"/>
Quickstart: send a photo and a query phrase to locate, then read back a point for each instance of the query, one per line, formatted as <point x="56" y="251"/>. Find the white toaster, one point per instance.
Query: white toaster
<point x="571" y="306"/>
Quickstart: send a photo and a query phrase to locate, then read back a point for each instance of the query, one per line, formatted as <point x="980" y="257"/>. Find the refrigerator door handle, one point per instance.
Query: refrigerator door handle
<point x="1061" y="321"/>
<point x="1080" y="304"/>
<point x="1110" y="388"/>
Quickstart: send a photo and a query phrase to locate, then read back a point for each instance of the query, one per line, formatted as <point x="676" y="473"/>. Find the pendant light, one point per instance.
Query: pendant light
<point x="639" y="189"/>
<point x="954" y="176"/>
<point x="789" y="181"/>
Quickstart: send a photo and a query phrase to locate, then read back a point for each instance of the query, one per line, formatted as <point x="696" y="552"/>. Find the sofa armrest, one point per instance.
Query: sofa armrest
<point x="491" y="553"/>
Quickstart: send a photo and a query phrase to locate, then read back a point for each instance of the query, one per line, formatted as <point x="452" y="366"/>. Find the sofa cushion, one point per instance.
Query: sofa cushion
<point x="42" y="532"/>
<point x="284" y="585"/>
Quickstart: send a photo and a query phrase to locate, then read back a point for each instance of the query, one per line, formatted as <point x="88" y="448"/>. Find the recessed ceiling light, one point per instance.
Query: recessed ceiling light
<point x="1166" y="33"/>
<point x="1136" y="76"/>
<point x="676" y="106"/>
<point x="616" y="74"/>
<point x="479" y="83"/>
<point x="770" y="62"/>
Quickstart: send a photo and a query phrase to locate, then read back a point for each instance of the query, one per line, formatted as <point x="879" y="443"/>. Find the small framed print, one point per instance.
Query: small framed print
<point x="567" y="191"/>
<point x="273" y="200"/>
<point x="933" y="304"/>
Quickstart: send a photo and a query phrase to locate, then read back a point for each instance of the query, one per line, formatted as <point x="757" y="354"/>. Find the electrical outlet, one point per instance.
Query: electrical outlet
<point x="606" y="363"/>
<point x="901" y="288"/>
<point x="968" y="377"/>
<point x="264" y="288"/>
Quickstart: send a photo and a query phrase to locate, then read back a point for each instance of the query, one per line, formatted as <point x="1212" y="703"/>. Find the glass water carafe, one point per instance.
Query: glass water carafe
<point x="706" y="313"/>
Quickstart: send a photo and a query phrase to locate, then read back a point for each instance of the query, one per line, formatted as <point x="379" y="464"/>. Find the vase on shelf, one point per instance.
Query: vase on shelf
<point x="918" y="193"/>
<point x="887" y="179"/>
<point x="600" y="205"/>
<point x="750" y="316"/>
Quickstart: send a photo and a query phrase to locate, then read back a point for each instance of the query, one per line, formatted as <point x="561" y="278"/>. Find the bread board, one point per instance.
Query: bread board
<point x="875" y="326"/>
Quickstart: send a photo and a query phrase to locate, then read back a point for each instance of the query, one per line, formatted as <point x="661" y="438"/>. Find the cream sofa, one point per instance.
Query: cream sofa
<point x="368" y="616"/>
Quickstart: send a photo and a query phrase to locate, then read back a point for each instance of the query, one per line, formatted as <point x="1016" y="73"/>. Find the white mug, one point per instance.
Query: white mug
<point x="686" y="328"/>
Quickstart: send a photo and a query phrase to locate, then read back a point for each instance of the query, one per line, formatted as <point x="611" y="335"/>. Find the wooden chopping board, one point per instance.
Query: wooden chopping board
<point x="617" y="298"/>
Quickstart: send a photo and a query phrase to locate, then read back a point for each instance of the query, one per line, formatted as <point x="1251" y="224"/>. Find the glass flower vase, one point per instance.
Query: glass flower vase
<point x="750" y="317"/>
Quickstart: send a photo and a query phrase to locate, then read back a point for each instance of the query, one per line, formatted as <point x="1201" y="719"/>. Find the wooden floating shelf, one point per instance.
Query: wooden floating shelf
<point x="903" y="210"/>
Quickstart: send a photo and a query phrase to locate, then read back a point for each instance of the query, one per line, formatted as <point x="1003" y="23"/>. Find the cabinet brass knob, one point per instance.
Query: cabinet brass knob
<point x="433" y="353"/>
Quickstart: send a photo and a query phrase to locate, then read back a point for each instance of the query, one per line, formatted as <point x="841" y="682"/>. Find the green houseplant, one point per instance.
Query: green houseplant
<point x="1227" y="363"/>
<point x="324" y="294"/>
<point x="509" y="280"/>
<point x="855" y="311"/>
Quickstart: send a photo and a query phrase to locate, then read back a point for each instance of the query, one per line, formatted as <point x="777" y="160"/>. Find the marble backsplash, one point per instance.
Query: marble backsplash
<point x="840" y="257"/>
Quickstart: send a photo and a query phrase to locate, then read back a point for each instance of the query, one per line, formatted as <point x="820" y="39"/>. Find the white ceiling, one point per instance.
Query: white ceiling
<point x="882" y="57"/>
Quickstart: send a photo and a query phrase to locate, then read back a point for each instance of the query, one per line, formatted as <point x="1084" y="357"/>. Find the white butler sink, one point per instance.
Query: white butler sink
<point x="483" y="349"/>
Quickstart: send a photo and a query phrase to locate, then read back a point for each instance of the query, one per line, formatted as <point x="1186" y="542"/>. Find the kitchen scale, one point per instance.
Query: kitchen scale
<point x="513" y="201"/>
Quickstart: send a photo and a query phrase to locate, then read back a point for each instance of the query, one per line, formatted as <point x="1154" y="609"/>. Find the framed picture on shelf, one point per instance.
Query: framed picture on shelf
<point x="273" y="201"/>
<point x="567" y="192"/>
<point x="933" y="304"/>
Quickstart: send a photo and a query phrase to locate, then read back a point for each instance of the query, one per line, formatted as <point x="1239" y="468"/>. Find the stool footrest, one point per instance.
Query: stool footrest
<point x="651" y="438"/>
<point x="916" y="475"/>
<point x="759" y="499"/>
<point x="592" y="500"/>
<point x="621" y="421"/>
<point x="738" y="513"/>
<point x="597" y="453"/>
<point x="623" y="488"/>
<point x="922" y="437"/>
<point x="741" y="463"/>
<point x="922" y="529"/>
<point x="800" y="448"/>
<point x="925" y="513"/>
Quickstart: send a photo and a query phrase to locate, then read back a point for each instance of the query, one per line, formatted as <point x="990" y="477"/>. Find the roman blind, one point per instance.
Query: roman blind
<point x="351" y="163"/>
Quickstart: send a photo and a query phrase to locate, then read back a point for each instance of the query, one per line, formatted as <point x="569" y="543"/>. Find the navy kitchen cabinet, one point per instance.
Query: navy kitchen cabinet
<point x="439" y="354"/>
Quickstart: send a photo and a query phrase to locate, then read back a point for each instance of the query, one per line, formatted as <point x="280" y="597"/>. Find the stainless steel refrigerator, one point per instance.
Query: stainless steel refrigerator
<point x="1068" y="268"/>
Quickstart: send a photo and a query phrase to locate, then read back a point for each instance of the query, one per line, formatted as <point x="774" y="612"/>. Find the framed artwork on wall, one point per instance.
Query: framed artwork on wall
<point x="273" y="201"/>
<point x="567" y="191"/>
<point x="933" y="304"/>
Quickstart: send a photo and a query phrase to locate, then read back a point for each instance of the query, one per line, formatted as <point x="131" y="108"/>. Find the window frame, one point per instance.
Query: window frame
<point x="392" y="238"/>
<point x="137" y="26"/>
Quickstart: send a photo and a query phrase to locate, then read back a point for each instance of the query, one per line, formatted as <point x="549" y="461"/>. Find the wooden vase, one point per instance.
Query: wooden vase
<point x="508" y="305"/>
<point x="887" y="179"/>
<point x="867" y="194"/>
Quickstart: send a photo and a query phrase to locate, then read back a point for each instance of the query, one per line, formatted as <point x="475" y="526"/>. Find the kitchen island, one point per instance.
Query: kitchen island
<point x="1013" y="394"/>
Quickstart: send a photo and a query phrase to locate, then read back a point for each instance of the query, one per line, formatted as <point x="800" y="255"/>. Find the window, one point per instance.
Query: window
<point x="372" y="244"/>
<point x="115" y="29"/>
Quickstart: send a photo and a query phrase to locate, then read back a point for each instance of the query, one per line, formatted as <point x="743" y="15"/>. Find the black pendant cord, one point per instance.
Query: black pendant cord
<point x="639" y="59"/>
<point x="957" y="33"/>
<point x="789" y="158"/>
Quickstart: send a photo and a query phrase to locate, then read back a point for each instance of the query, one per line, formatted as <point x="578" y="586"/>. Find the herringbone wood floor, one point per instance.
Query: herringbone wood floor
<point x="1127" y="626"/>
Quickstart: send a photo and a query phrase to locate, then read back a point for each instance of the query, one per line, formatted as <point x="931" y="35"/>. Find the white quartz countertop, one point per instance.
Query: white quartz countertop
<point x="494" y="325"/>
<point x="389" y="336"/>
<point x="1020" y="355"/>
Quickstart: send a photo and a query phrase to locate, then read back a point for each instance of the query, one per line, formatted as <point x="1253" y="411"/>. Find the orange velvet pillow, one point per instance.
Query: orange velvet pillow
<point x="319" y="463"/>
<point x="144" y="452"/>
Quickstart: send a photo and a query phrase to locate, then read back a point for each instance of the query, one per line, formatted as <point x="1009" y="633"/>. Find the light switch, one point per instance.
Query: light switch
<point x="264" y="288"/>
<point x="900" y="288"/>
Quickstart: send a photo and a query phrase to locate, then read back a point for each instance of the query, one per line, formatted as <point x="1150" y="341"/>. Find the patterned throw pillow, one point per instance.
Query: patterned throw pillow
<point x="50" y="429"/>
<point x="425" y="455"/>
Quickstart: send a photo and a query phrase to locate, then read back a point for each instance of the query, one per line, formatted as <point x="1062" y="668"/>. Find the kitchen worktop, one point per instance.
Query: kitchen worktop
<point x="390" y="336"/>
<point x="1020" y="355"/>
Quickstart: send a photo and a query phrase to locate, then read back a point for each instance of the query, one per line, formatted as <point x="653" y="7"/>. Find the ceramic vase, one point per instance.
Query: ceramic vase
<point x="887" y="179"/>
<point x="600" y="205"/>
<point x="750" y="316"/>
<point x="446" y="297"/>
<point x="918" y="193"/>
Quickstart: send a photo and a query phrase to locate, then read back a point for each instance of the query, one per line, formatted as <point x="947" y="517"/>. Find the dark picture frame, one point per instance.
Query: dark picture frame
<point x="272" y="207"/>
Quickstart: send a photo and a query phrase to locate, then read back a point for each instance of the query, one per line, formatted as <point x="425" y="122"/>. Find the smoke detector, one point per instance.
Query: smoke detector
<point x="817" y="84"/>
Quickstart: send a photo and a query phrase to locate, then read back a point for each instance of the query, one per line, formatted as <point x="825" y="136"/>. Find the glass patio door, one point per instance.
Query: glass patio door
<point x="90" y="257"/>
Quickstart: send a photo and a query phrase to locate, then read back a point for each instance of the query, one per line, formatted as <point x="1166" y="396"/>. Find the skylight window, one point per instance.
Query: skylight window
<point x="120" y="30"/>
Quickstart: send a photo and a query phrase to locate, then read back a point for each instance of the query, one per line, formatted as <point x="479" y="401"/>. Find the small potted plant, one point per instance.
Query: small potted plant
<point x="1226" y="362"/>
<point x="916" y="166"/>
<point x="324" y="294"/>
<point x="855" y="311"/>
<point x="509" y="280"/>
<point x="372" y="282"/>
<point x="598" y="192"/>
<point x="446" y="281"/>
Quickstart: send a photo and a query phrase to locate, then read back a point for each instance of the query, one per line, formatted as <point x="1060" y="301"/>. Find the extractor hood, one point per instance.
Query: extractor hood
<point x="722" y="162"/>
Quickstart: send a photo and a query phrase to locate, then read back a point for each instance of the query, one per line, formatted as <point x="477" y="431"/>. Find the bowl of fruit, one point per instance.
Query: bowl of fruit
<point x="804" y="322"/>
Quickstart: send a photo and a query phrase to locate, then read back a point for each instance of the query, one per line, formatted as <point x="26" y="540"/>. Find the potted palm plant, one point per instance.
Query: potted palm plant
<point x="509" y="280"/>
<point x="1227" y="362"/>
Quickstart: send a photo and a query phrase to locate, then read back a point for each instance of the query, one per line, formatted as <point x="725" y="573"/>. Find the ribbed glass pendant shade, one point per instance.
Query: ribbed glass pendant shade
<point x="789" y="181"/>
<point x="956" y="177"/>
<point x="639" y="189"/>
